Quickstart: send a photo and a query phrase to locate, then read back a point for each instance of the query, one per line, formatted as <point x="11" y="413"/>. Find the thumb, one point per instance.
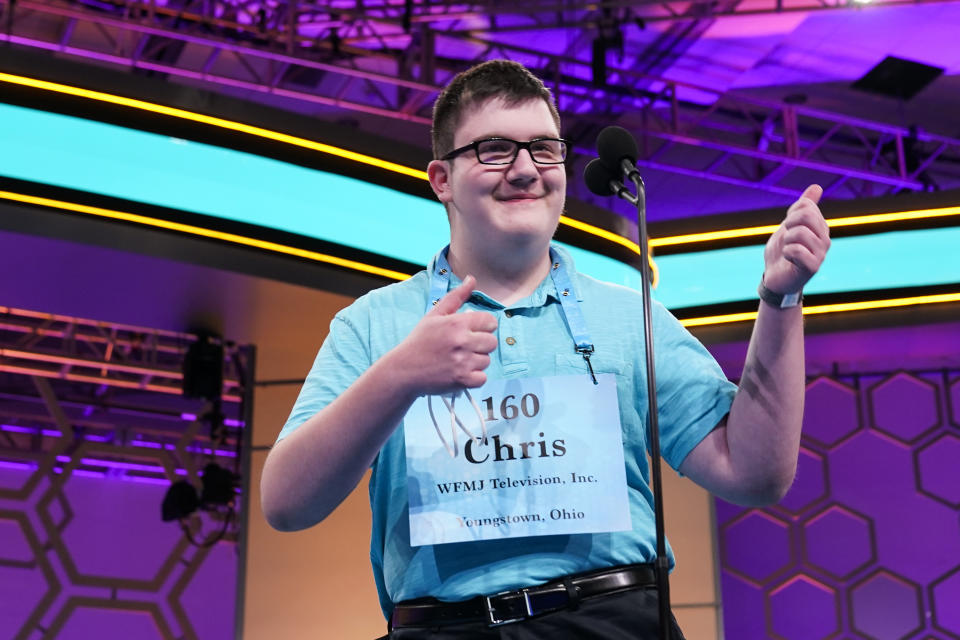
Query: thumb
<point x="455" y="298"/>
<point x="813" y="192"/>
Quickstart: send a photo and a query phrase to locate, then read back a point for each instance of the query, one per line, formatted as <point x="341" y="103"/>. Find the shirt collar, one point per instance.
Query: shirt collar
<point x="546" y="288"/>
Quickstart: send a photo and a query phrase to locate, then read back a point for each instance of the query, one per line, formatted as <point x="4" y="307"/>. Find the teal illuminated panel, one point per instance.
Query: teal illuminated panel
<point x="859" y="263"/>
<point x="145" y="167"/>
<point x="603" y="267"/>
<point x="191" y="176"/>
<point x="115" y="161"/>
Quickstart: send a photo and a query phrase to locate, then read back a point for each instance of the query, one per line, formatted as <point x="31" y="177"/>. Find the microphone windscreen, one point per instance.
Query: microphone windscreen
<point x="598" y="177"/>
<point x="614" y="144"/>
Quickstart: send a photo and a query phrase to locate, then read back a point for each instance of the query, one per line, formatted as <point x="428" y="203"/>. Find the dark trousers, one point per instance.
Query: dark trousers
<point x="627" y="615"/>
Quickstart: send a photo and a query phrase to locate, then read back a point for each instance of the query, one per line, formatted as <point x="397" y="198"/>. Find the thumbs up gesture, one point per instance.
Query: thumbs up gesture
<point x="448" y="351"/>
<point x="797" y="248"/>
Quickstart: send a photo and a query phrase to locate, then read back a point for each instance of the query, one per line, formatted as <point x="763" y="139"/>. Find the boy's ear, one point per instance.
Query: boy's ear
<point x="438" y="171"/>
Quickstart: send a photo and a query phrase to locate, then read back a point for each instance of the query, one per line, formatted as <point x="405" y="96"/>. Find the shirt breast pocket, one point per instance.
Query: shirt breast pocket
<point x="574" y="364"/>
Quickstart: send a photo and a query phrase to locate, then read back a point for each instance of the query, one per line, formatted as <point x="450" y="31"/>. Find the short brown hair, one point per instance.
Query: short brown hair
<point x="510" y="81"/>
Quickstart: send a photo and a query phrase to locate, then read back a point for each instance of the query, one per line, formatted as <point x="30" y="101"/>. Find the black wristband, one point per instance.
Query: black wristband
<point x="779" y="300"/>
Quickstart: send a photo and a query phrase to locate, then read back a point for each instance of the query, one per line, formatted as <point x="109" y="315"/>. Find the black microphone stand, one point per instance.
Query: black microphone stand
<point x="662" y="564"/>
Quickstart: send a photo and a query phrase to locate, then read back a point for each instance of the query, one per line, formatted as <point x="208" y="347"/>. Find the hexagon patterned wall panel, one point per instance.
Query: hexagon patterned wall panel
<point x="866" y="545"/>
<point x="88" y="557"/>
<point x="86" y="460"/>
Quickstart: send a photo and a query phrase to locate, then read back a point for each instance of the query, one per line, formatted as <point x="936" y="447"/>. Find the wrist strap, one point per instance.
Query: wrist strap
<point x="779" y="300"/>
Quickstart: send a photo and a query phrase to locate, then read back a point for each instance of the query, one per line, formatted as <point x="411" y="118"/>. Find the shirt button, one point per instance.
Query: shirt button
<point x="508" y="313"/>
<point x="511" y="341"/>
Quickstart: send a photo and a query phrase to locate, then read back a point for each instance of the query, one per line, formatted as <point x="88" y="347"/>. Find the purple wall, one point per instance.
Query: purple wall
<point x="92" y="560"/>
<point x="867" y="542"/>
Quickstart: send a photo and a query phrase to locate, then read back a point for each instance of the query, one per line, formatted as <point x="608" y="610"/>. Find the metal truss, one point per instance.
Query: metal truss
<point x="112" y="355"/>
<point x="498" y="16"/>
<point x="67" y="383"/>
<point x="81" y="399"/>
<point x="389" y="58"/>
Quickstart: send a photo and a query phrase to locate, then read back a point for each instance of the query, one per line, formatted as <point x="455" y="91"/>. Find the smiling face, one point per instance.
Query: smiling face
<point x="497" y="209"/>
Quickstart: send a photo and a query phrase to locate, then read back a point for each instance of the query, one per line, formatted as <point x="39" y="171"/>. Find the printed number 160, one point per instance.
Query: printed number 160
<point x="529" y="406"/>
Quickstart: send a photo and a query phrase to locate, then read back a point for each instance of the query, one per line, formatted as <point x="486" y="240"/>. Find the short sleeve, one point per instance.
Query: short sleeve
<point x="693" y="394"/>
<point x="344" y="355"/>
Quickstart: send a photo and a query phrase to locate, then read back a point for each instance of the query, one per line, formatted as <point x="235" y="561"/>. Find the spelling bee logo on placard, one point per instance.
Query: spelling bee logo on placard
<point x="520" y="457"/>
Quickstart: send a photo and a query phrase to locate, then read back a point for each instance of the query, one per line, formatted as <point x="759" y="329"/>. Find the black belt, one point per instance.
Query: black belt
<point x="513" y="606"/>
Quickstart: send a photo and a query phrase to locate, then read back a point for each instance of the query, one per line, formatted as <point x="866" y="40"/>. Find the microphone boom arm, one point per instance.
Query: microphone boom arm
<point x="622" y="192"/>
<point x="662" y="564"/>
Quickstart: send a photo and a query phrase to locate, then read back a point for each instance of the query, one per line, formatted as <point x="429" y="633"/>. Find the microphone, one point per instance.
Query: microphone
<point x="599" y="178"/>
<point x="618" y="151"/>
<point x="603" y="181"/>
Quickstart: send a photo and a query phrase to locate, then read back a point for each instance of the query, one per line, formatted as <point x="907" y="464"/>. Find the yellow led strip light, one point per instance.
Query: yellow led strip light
<point x="209" y="233"/>
<point x="415" y="173"/>
<point x="850" y="221"/>
<point x="612" y="237"/>
<point x="272" y="135"/>
<point x="829" y="308"/>
<point x="422" y="175"/>
<point x="397" y="275"/>
<point x="213" y="121"/>
<point x="601" y="233"/>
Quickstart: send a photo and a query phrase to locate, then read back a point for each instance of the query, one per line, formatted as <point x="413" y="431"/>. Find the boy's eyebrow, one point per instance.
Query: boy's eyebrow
<point x="555" y="136"/>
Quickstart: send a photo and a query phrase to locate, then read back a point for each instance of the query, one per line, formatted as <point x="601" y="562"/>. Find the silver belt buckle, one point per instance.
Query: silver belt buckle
<point x="494" y="621"/>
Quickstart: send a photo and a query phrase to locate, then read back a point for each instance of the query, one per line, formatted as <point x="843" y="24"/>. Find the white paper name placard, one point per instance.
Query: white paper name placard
<point x="551" y="461"/>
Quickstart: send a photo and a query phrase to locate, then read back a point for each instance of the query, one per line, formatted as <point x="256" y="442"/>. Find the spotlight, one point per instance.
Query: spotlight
<point x="181" y="498"/>
<point x="203" y="368"/>
<point x="218" y="486"/>
<point x="180" y="501"/>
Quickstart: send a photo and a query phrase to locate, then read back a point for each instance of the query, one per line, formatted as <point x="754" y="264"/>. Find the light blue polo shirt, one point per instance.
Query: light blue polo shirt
<point x="693" y="395"/>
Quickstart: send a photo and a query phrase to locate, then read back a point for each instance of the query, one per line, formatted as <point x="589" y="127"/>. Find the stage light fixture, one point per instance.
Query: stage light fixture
<point x="179" y="502"/>
<point x="218" y="486"/>
<point x="598" y="62"/>
<point x="407" y="20"/>
<point x="203" y="368"/>
<point x="218" y="490"/>
<point x="203" y="378"/>
<point x="609" y="36"/>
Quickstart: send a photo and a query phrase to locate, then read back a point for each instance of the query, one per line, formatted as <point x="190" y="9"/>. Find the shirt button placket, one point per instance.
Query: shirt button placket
<point x="511" y="353"/>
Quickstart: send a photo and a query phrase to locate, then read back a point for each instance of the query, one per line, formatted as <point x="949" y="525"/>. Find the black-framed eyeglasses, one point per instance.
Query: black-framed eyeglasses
<point x="505" y="151"/>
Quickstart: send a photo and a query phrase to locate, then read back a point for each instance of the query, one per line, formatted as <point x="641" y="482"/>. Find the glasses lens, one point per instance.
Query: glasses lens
<point x="496" y="151"/>
<point x="549" y="151"/>
<point x="503" y="151"/>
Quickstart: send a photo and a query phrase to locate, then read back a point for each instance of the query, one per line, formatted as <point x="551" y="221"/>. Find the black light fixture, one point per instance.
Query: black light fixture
<point x="203" y="378"/>
<point x="218" y="486"/>
<point x="181" y="499"/>
<point x="609" y="36"/>
<point x="407" y="20"/>
<point x="335" y="42"/>
<point x="203" y="368"/>
<point x="598" y="62"/>
<point x="179" y="502"/>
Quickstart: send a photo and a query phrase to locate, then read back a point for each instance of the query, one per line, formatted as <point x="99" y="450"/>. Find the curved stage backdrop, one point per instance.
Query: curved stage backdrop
<point x="866" y="544"/>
